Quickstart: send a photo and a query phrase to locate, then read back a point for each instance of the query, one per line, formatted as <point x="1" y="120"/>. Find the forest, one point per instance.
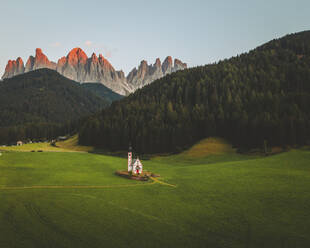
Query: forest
<point x="42" y="104"/>
<point x="102" y="91"/>
<point x="259" y="97"/>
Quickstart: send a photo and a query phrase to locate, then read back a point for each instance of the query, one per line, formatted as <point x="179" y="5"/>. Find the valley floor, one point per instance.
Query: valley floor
<point x="220" y="200"/>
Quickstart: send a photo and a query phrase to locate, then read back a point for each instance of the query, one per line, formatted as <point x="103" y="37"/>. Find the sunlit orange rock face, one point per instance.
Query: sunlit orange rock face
<point x="13" y="68"/>
<point x="105" y="63"/>
<point x="61" y="62"/>
<point x="77" y="56"/>
<point x="78" y="67"/>
<point x="39" y="61"/>
<point x="20" y="65"/>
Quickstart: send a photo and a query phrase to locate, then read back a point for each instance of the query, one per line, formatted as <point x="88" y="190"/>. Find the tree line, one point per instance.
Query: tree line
<point x="42" y="104"/>
<point x="259" y="97"/>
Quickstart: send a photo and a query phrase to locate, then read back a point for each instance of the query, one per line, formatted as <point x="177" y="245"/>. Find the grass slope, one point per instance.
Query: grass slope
<point x="249" y="202"/>
<point x="70" y="145"/>
<point x="209" y="150"/>
<point x="209" y="146"/>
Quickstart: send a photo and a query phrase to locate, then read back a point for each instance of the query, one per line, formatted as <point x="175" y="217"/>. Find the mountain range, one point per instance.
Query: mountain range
<point x="79" y="67"/>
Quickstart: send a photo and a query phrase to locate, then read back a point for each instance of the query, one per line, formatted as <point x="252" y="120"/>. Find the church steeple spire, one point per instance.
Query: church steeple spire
<point x="130" y="158"/>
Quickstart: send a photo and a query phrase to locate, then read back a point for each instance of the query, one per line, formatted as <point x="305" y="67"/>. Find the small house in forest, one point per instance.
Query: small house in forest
<point x="62" y="138"/>
<point x="135" y="166"/>
<point x="19" y="143"/>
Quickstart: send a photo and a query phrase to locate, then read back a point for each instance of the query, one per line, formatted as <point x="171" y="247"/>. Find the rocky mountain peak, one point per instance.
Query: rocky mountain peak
<point x="101" y="59"/>
<point x="105" y="63"/>
<point x="61" y="61"/>
<point x="143" y="65"/>
<point x="13" y="68"/>
<point x="157" y="63"/>
<point x="149" y="73"/>
<point x="178" y="62"/>
<point x="94" y="58"/>
<point x="179" y="65"/>
<point x="39" y="52"/>
<point x="9" y="69"/>
<point x="121" y="74"/>
<point x="19" y="60"/>
<point x="143" y="62"/>
<point x="10" y="65"/>
<point x="20" y="68"/>
<point x="77" y="56"/>
<point x="41" y="60"/>
<point x="168" y="61"/>
<point x="167" y="65"/>
<point x="77" y="66"/>
<point x="29" y="64"/>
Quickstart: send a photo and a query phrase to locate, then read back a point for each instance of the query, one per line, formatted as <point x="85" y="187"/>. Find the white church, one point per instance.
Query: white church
<point x="135" y="166"/>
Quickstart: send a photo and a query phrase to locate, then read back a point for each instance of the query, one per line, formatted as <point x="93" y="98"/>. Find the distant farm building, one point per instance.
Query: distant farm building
<point x="62" y="138"/>
<point x="19" y="143"/>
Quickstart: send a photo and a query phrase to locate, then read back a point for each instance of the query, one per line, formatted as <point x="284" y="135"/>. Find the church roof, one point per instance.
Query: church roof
<point x="136" y="160"/>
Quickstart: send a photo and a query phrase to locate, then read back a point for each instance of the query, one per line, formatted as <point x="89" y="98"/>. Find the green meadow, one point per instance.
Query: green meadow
<point x="59" y="199"/>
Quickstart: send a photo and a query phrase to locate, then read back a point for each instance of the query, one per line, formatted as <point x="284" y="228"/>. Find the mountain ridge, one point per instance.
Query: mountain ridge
<point x="145" y="74"/>
<point x="79" y="67"/>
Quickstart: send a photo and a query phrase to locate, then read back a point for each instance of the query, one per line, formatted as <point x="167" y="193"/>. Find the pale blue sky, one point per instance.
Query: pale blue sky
<point x="197" y="32"/>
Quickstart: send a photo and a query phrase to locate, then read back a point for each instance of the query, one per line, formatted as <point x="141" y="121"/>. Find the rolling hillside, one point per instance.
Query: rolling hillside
<point x="44" y="96"/>
<point x="37" y="103"/>
<point x="56" y="199"/>
<point x="255" y="99"/>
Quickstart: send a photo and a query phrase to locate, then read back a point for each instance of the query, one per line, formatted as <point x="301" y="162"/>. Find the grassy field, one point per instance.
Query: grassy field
<point x="70" y="145"/>
<point x="220" y="200"/>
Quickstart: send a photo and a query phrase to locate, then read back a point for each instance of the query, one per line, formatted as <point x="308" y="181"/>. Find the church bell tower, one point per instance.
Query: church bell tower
<point x="129" y="158"/>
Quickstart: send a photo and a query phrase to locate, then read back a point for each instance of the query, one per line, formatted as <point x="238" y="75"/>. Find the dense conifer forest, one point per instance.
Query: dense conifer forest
<point x="259" y="97"/>
<point x="102" y="91"/>
<point x="42" y="104"/>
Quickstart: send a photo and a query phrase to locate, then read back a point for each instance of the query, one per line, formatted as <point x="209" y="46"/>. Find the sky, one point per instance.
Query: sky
<point x="196" y="31"/>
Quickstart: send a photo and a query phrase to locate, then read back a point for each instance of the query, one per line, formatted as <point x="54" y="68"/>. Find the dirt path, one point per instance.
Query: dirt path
<point x="154" y="180"/>
<point x="163" y="183"/>
<point x="74" y="186"/>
